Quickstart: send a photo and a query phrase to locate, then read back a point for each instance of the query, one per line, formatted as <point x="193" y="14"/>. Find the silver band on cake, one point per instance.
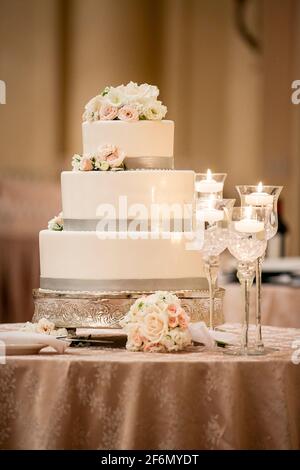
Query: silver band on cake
<point x="153" y="163"/>
<point x="175" y="225"/>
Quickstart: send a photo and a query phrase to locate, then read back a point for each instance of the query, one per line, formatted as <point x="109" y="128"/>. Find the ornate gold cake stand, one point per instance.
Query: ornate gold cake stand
<point x="106" y="309"/>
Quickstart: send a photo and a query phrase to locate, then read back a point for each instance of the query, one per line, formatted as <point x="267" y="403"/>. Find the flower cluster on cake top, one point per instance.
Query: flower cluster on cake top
<point x="108" y="157"/>
<point x="157" y="323"/>
<point x="57" y="223"/>
<point x="131" y="102"/>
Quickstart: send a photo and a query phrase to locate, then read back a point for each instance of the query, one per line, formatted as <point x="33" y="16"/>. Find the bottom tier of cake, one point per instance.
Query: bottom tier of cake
<point x="84" y="261"/>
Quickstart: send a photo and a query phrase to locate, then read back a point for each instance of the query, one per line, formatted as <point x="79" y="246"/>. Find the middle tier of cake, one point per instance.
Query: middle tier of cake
<point x="116" y="261"/>
<point x="89" y="196"/>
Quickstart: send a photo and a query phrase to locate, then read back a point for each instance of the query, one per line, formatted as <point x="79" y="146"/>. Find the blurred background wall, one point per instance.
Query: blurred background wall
<point x="224" y="68"/>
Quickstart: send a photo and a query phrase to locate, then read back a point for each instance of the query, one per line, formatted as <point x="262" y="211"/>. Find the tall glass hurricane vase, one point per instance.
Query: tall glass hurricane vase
<point x="264" y="199"/>
<point x="246" y="242"/>
<point x="213" y="217"/>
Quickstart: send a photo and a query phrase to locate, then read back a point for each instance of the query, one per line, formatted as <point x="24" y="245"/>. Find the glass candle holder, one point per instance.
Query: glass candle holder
<point x="246" y="242"/>
<point x="213" y="217"/>
<point x="263" y="198"/>
<point x="207" y="184"/>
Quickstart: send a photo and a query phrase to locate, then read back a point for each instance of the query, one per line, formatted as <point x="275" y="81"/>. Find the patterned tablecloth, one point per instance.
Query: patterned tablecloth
<point x="109" y="398"/>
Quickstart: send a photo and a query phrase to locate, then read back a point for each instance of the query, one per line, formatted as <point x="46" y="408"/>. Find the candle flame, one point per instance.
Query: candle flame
<point x="259" y="187"/>
<point x="208" y="175"/>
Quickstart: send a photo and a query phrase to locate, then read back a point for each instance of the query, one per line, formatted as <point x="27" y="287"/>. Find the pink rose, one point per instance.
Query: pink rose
<point x="172" y="310"/>
<point x="173" y="322"/>
<point x="86" y="164"/>
<point x="153" y="347"/>
<point x="183" y="319"/>
<point x="111" y="154"/>
<point x="128" y="113"/>
<point x="108" y="112"/>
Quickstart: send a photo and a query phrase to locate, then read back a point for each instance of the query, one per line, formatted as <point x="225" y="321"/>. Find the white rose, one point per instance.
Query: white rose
<point x="45" y="326"/>
<point x="154" y="326"/>
<point x="115" y="97"/>
<point x="148" y="92"/>
<point x="76" y="162"/>
<point x="92" y="109"/>
<point x="155" y="111"/>
<point x="142" y="94"/>
<point x="181" y="338"/>
<point x="132" y="92"/>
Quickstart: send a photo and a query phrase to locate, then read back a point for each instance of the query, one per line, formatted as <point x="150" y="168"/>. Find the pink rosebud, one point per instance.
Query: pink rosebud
<point x="86" y="164"/>
<point x="128" y="113"/>
<point x="183" y="320"/>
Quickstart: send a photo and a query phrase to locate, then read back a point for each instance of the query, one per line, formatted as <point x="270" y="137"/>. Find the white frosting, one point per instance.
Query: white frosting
<point x="137" y="139"/>
<point x="82" y="255"/>
<point x="82" y="192"/>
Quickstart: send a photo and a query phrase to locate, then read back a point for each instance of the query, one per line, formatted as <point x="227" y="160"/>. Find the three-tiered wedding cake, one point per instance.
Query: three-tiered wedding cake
<point x="111" y="239"/>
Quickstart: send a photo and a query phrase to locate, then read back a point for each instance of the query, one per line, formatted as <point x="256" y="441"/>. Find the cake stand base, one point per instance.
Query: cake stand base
<point x="106" y="309"/>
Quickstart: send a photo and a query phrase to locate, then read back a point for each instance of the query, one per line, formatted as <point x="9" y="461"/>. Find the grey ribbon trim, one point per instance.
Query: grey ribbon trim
<point x="154" y="163"/>
<point x="122" y="284"/>
<point x="185" y="225"/>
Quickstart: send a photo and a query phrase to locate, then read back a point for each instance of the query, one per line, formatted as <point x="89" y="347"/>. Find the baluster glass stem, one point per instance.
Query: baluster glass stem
<point x="259" y="345"/>
<point x="211" y="267"/>
<point x="246" y="272"/>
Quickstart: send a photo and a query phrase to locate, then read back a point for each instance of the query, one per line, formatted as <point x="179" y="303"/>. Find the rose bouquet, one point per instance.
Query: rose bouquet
<point x="157" y="323"/>
<point x="108" y="157"/>
<point x="131" y="102"/>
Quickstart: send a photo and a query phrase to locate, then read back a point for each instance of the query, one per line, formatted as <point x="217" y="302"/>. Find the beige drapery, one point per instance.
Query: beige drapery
<point x="231" y="104"/>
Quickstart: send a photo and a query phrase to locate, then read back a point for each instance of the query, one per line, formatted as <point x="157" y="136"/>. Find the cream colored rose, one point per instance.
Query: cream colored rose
<point x="135" y="338"/>
<point x="45" y="326"/>
<point x="108" y="112"/>
<point x="154" y="326"/>
<point x="155" y="111"/>
<point x="128" y="113"/>
<point x="92" y="109"/>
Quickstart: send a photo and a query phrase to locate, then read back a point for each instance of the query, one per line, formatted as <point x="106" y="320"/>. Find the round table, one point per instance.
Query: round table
<point x="109" y="398"/>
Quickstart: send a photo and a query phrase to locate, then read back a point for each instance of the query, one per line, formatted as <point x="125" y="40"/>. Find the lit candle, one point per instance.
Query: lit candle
<point x="210" y="214"/>
<point x="208" y="185"/>
<point x="259" y="198"/>
<point x="248" y="225"/>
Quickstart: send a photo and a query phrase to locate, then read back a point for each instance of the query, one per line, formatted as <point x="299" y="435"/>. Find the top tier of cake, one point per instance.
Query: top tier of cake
<point x="131" y="118"/>
<point x="147" y="144"/>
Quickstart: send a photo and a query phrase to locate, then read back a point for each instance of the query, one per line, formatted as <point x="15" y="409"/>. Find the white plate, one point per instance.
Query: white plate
<point x="23" y="349"/>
